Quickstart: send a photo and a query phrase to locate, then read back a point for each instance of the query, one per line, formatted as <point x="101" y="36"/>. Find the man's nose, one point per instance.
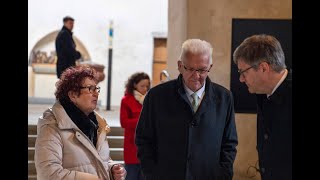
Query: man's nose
<point x="196" y="74"/>
<point x="241" y="78"/>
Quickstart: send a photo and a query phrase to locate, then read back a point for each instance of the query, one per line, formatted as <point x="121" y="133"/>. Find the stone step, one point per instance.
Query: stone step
<point x="32" y="177"/>
<point x="30" y="153"/>
<point x="31" y="168"/>
<point x="116" y="154"/>
<point x="31" y="140"/>
<point x="32" y="129"/>
<point x="114" y="141"/>
<point x="115" y="131"/>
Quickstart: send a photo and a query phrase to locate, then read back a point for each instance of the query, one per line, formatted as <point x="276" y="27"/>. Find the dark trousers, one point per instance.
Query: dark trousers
<point x="133" y="172"/>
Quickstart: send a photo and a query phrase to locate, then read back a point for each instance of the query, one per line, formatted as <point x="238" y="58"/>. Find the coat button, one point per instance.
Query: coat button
<point x="262" y="170"/>
<point x="266" y="136"/>
<point x="189" y="157"/>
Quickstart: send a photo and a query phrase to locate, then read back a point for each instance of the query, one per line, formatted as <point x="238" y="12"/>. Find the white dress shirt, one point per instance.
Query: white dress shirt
<point x="200" y="93"/>
<point x="280" y="81"/>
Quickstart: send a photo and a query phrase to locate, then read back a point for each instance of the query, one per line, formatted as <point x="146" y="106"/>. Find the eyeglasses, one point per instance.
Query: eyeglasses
<point x="200" y="71"/>
<point x="92" y="89"/>
<point x="241" y="72"/>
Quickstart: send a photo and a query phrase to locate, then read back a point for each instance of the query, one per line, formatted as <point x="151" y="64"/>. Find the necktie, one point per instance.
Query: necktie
<point x="195" y="101"/>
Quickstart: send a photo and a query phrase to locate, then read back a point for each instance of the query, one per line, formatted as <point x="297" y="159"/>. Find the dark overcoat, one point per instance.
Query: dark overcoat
<point x="274" y="132"/>
<point x="174" y="143"/>
<point x="66" y="50"/>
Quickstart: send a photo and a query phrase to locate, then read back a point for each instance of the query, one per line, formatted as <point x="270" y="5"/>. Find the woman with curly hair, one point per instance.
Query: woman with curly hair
<point x="131" y="104"/>
<point x="71" y="141"/>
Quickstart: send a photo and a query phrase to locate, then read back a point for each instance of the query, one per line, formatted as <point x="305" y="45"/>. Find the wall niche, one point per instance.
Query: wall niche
<point x="43" y="56"/>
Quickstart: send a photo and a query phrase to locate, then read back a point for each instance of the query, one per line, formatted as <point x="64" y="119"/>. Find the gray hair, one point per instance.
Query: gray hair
<point x="196" y="46"/>
<point x="261" y="48"/>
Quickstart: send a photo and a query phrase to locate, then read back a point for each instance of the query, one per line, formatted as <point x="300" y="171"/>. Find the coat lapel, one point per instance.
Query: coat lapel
<point x="209" y="100"/>
<point x="85" y="142"/>
<point x="103" y="130"/>
<point x="182" y="93"/>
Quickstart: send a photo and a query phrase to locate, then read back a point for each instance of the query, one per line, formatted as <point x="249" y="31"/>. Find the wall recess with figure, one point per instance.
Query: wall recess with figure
<point x="43" y="56"/>
<point x="42" y="66"/>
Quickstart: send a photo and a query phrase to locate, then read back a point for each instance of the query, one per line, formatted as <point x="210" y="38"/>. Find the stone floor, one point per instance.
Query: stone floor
<point x="112" y="116"/>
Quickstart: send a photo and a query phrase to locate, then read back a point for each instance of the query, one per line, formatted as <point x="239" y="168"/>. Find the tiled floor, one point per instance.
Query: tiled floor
<point x="36" y="110"/>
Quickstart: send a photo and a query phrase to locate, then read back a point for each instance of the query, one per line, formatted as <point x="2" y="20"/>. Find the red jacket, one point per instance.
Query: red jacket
<point x="129" y="115"/>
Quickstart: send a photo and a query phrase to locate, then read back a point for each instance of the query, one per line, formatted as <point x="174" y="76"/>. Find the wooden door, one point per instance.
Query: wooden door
<point x="159" y="59"/>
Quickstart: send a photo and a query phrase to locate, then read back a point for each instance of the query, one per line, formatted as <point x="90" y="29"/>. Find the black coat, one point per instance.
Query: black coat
<point x="176" y="144"/>
<point x="66" y="51"/>
<point x="274" y="133"/>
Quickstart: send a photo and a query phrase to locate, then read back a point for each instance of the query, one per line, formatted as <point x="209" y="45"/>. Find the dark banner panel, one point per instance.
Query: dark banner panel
<point x="245" y="102"/>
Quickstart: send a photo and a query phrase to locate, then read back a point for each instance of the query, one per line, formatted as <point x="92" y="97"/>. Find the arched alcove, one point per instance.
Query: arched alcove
<point x="42" y="66"/>
<point x="43" y="55"/>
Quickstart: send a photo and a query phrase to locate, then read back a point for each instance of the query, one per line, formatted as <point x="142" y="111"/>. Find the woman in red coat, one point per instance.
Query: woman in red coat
<point x="131" y="104"/>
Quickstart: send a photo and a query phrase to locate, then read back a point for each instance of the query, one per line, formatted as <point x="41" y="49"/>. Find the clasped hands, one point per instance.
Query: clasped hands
<point x="118" y="172"/>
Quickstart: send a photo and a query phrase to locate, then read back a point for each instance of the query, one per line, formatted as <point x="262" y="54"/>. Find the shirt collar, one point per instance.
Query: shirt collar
<point x="280" y="81"/>
<point x="199" y="92"/>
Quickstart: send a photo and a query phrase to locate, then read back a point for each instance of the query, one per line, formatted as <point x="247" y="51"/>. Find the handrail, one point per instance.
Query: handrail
<point x="166" y="74"/>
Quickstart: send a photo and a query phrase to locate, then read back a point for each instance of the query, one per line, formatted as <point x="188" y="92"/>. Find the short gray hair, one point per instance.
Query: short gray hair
<point x="196" y="46"/>
<point x="261" y="48"/>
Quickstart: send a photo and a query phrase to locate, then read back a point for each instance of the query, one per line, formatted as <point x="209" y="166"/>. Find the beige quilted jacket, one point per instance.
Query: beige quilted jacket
<point x="62" y="151"/>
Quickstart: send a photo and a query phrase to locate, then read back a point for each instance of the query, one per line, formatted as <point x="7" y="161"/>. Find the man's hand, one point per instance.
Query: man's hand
<point x="118" y="172"/>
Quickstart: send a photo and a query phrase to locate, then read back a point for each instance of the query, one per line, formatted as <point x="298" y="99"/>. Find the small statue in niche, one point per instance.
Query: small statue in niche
<point x="40" y="57"/>
<point x="52" y="59"/>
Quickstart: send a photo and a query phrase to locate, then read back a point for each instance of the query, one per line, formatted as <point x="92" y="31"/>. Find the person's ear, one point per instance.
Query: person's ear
<point x="73" y="96"/>
<point x="210" y="67"/>
<point x="265" y="67"/>
<point x="179" y="62"/>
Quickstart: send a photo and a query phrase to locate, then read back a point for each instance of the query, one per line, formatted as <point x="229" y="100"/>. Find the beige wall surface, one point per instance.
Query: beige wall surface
<point x="177" y="33"/>
<point x="211" y="20"/>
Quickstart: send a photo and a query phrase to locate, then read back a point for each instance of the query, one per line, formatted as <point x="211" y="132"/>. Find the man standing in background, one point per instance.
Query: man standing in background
<point x="66" y="47"/>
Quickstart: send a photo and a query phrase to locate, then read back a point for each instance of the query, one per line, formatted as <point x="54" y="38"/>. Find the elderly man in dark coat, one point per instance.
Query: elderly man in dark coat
<point x="186" y="130"/>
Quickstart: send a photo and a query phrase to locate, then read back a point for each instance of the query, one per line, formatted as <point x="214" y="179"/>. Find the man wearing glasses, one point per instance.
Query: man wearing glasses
<point x="262" y="67"/>
<point x="186" y="129"/>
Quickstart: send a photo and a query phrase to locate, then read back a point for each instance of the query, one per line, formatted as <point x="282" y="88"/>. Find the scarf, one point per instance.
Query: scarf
<point x="138" y="96"/>
<point x="87" y="124"/>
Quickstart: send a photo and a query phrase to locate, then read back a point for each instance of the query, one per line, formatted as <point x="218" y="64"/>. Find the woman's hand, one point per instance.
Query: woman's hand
<point x="118" y="172"/>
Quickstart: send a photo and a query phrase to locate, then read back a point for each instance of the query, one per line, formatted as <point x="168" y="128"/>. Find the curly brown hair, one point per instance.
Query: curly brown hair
<point x="71" y="80"/>
<point x="135" y="79"/>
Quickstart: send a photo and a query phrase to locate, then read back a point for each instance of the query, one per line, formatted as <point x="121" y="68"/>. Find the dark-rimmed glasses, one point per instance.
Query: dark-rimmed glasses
<point x="241" y="72"/>
<point x="200" y="71"/>
<point x="92" y="88"/>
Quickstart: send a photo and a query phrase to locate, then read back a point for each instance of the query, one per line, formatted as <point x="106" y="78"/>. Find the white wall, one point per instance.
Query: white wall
<point x="133" y="24"/>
